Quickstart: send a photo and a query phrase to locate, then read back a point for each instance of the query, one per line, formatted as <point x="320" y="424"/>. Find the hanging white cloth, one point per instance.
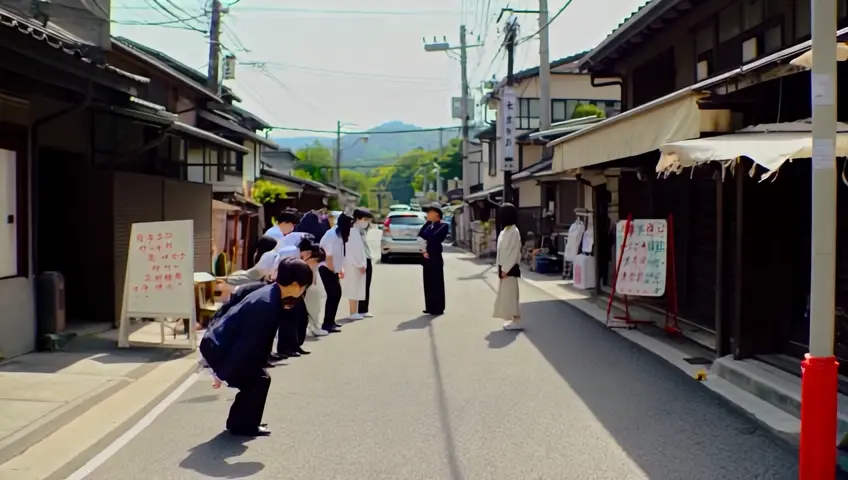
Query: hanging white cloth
<point x="353" y="283"/>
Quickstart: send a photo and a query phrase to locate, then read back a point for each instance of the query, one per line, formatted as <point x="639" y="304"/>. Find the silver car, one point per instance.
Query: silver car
<point x="400" y="235"/>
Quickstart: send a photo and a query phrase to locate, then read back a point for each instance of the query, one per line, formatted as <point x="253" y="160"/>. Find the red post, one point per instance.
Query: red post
<point x="818" y="417"/>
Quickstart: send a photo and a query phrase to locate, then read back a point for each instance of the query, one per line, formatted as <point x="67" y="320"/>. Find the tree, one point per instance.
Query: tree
<point x="587" y="110"/>
<point x="268" y="192"/>
<point x="317" y="161"/>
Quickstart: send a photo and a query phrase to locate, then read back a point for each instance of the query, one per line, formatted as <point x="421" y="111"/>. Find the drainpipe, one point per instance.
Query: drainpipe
<point x="620" y="82"/>
<point x="34" y="166"/>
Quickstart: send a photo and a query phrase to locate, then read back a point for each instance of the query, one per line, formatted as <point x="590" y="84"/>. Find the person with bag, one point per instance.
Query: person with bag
<point x="508" y="258"/>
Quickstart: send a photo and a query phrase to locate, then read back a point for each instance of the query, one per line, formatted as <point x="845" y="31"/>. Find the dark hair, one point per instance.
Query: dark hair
<point x="265" y="244"/>
<point x="360" y="213"/>
<point x="294" y="271"/>
<point x="289" y="215"/>
<point x="308" y="244"/>
<point x="343" y="225"/>
<point x="508" y="215"/>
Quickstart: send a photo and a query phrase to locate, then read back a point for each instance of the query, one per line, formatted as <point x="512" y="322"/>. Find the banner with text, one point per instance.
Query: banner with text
<point x="643" y="268"/>
<point x="507" y="122"/>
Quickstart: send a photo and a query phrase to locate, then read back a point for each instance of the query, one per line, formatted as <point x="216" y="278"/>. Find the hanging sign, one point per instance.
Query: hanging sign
<point x="159" y="280"/>
<point x="507" y="121"/>
<point x="642" y="256"/>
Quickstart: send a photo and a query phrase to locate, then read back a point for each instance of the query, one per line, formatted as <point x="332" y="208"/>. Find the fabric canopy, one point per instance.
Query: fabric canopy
<point x="767" y="145"/>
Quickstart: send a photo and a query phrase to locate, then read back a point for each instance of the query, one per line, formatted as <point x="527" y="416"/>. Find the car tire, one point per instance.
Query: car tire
<point x="384" y="258"/>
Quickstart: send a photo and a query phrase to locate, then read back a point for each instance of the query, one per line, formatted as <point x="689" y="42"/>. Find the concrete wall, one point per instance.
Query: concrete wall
<point x="529" y="194"/>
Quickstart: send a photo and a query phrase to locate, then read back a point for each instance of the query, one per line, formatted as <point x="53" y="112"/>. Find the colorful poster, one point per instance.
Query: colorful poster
<point x="642" y="270"/>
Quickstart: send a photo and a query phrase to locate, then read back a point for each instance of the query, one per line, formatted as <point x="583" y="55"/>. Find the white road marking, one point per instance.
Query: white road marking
<point x="133" y="432"/>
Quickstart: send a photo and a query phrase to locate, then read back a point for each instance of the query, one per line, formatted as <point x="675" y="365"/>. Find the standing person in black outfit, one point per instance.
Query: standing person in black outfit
<point x="331" y="269"/>
<point x="236" y="346"/>
<point x="432" y="234"/>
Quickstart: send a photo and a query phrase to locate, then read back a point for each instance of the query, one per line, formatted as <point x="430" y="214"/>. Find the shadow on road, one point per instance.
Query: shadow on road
<point x="202" y="399"/>
<point x="669" y="424"/>
<point x="418" y="323"/>
<point x="444" y="413"/>
<point x="210" y="459"/>
<point x="501" y="338"/>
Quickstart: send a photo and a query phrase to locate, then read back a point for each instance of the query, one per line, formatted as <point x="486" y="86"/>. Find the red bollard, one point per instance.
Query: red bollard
<point x="818" y="417"/>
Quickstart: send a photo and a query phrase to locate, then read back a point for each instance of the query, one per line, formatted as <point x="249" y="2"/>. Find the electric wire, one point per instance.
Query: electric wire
<point x="550" y="21"/>
<point x="367" y="132"/>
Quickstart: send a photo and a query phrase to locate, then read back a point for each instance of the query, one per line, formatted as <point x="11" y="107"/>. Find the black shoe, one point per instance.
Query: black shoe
<point x="331" y="328"/>
<point x="276" y="357"/>
<point x="302" y="351"/>
<point x="260" y="431"/>
<point x="293" y="354"/>
<point x="337" y="325"/>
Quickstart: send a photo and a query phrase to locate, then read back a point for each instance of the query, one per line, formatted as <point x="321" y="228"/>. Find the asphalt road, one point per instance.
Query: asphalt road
<point x="406" y="397"/>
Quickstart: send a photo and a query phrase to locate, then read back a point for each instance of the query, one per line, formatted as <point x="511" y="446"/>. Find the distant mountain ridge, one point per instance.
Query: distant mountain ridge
<point x="381" y="148"/>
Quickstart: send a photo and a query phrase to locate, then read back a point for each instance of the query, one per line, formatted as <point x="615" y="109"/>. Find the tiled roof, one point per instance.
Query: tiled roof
<point x="62" y="40"/>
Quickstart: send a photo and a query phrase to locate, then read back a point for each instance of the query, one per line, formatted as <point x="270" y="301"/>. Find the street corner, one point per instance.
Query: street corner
<point x="57" y="408"/>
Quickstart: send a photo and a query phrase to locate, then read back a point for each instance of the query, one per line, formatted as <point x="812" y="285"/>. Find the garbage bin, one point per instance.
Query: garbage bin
<point x="50" y="303"/>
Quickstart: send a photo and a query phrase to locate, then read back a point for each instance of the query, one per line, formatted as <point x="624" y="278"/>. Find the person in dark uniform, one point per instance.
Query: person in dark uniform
<point x="291" y="333"/>
<point x="431" y="236"/>
<point x="236" y="346"/>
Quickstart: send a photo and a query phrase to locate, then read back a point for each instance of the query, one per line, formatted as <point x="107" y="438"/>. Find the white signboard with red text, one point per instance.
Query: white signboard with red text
<point x="159" y="281"/>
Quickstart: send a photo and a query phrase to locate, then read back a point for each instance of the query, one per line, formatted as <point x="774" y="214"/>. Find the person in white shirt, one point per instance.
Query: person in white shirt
<point x="508" y="258"/>
<point x="363" y="223"/>
<point x="283" y="231"/>
<point x="356" y="265"/>
<point x="332" y="271"/>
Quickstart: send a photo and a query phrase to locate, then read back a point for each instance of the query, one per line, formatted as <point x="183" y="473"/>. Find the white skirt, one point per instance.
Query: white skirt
<point x="506" y="303"/>
<point x="315" y="298"/>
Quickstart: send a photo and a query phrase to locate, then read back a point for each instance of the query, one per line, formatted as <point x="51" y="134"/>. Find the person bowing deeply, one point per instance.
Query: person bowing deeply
<point x="284" y="231"/>
<point x="431" y="236"/>
<point x="236" y="347"/>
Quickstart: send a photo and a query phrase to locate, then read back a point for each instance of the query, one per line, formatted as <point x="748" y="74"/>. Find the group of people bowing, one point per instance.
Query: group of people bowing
<point x="302" y="268"/>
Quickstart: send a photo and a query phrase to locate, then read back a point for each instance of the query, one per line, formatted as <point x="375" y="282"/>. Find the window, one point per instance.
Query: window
<point x="772" y="39"/>
<point x="528" y="113"/>
<point x="754" y="13"/>
<point x="729" y="25"/>
<point x="803" y="16"/>
<point x="413" y="220"/>
<point x="559" y="113"/>
<point x="493" y="159"/>
<point x="8" y="214"/>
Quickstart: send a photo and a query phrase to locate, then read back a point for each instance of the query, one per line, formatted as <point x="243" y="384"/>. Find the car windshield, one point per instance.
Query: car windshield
<point x="406" y="220"/>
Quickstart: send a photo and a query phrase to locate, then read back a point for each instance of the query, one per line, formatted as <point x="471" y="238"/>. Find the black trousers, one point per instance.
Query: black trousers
<point x="249" y="405"/>
<point x="434" y="285"/>
<point x="291" y="332"/>
<point x="334" y="295"/>
<point x="364" y="304"/>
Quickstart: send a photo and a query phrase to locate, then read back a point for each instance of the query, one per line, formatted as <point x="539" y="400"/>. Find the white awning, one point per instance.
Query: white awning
<point x="668" y="119"/>
<point x="767" y="145"/>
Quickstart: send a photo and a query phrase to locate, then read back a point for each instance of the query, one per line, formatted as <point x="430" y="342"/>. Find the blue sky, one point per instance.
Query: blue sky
<point x="360" y="62"/>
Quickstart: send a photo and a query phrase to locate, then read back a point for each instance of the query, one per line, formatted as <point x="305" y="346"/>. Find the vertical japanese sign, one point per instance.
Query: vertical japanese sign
<point x="507" y="123"/>
<point x="645" y="257"/>
<point x="159" y="281"/>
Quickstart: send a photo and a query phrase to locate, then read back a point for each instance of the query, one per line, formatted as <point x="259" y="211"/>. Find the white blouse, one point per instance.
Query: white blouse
<point x="333" y="246"/>
<point x="509" y="248"/>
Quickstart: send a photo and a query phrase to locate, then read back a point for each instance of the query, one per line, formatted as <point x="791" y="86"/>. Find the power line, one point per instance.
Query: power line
<point x="528" y="37"/>
<point x="367" y="132"/>
<point x="313" y="11"/>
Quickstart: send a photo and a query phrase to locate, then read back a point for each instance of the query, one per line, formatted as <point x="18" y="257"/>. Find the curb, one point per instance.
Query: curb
<point x="70" y="446"/>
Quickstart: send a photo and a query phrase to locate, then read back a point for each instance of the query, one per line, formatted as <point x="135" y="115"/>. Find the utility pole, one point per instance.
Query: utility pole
<point x="463" y="61"/>
<point x="337" y="172"/>
<point x="509" y="42"/>
<point x="544" y="69"/>
<point x="214" y="72"/>
<point x="819" y="368"/>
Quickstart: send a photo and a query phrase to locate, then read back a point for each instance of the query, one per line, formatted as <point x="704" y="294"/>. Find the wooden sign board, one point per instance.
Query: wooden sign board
<point x="643" y="268"/>
<point x="159" y="280"/>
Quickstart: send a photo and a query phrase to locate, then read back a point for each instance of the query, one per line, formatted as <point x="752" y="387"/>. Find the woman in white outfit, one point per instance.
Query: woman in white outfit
<point x="508" y="257"/>
<point x="356" y="269"/>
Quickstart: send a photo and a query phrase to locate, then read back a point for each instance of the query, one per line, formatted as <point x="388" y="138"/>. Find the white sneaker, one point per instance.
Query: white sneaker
<point x="367" y="315"/>
<point x="512" y="326"/>
<point x="318" y="332"/>
<point x="355" y="316"/>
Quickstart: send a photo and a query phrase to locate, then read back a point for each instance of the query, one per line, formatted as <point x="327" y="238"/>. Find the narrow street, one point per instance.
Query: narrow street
<point x="401" y="396"/>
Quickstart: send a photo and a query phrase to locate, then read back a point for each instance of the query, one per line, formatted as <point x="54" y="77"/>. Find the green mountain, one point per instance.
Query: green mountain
<point x="382" y="146"/>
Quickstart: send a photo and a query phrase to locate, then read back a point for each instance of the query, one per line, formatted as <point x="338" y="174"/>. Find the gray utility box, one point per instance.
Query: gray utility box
<point x="50" y="303"/>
